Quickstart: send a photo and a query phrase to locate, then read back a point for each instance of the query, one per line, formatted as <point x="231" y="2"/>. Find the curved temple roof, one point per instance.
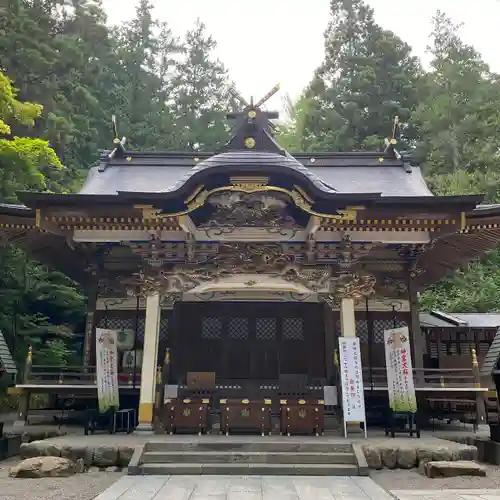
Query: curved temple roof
<point x="332" y="173"/>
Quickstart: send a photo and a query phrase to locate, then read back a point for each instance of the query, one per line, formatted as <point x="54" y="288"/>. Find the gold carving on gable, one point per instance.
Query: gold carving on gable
<point x="242" y="209"/>
<point x="348" y="286"/>
<point x="250" y="185"/>
<point x="271" y="261"/>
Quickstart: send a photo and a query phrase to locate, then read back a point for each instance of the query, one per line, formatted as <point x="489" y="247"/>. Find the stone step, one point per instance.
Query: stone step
<point x="264" y="446"/>
<point x="245" y="469"/>
<point x="273" y="457"/>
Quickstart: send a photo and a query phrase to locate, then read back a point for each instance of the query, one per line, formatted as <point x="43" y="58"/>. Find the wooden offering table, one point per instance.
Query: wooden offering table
<point x="301" y="416"/>
<point x="187" y="415"/>
<point x="243" y="415"/>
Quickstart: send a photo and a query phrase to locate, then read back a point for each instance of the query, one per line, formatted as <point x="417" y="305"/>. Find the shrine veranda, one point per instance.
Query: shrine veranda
<point x="238" y="271"/>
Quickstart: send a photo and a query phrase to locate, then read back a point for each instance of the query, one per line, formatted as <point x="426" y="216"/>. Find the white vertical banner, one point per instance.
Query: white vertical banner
<point x="107" y="369"/>
<point x="351" y="375"/>
<point x="400" y="382"/>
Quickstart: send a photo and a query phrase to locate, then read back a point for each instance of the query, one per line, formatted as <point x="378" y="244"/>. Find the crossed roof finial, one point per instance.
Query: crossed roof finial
<point x="236" y="95"/>
<point x="119" y="144"/>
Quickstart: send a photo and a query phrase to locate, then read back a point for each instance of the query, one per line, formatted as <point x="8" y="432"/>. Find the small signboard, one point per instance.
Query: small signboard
<point x="400" y="384"/>
<point x="351" y="375"/>
<point x="107" y="369"/>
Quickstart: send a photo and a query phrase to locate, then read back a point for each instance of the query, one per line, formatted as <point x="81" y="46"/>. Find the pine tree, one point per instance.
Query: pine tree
<point x="367" y="78"/>
<point x="459" y="114"/>
<point x="147" y="51"/>
<point x="200" y="92"/>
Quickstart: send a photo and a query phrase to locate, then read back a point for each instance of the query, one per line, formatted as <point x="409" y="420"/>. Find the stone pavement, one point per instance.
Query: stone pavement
<point x="244" y="488"/>
<point x="447" y="494"/>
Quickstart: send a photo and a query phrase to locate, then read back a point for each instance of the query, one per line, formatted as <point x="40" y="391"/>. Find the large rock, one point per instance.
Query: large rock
<point x="51" y="450"/>
<point x="389" y="456"/>
<point x="372" y="456"/>
<point x="467" y="453"/>
<point x="452" y="469"/>
<point x="424" y="455"/>
<point x="442" y="454"/>
<point x="124" y="455"/>
<point x="50" y="433"/>
<point x="76" y="452"/>
<point x="43" y="467"/>
<point x="33" y="435"/>
<point x="33" y="449"/>
<point x="105" y="456"/>
<point x="407" y="458"/>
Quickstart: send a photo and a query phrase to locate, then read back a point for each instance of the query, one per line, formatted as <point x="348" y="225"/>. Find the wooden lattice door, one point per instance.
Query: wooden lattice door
<point x="242" y="340"/>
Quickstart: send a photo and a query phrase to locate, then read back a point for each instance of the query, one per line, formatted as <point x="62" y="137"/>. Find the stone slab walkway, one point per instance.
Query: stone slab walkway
<point x="447" y="494"/>
<point x="244" y="488"/>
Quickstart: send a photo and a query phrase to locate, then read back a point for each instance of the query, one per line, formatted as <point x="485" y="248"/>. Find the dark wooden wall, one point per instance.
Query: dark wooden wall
<point x="254" y="339"/>
<point x="249" y="340"/>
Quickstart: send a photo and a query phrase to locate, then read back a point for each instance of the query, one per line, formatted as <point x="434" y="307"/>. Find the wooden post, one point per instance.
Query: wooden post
<point x="347" y="318"/>
<point x="480" y="400"/>
<point x="417" y="337"/>
<point x="329" y="345"/>
<point x="89" y="325"/>
<point x="28" y="365"/>
<point x="149" y="363"/>
<point x="24" y="396"/>
<point x="158" y="398"/>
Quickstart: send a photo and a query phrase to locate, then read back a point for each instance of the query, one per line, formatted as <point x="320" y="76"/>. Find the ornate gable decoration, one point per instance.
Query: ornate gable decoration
<point x="256" y="260"/>
<point x="241" y="209"/>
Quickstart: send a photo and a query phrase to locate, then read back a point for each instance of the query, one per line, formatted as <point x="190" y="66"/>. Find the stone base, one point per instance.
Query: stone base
<point x="389" y="455"/>
<point x="454" y="469"/>
<point x="144" y="430"/>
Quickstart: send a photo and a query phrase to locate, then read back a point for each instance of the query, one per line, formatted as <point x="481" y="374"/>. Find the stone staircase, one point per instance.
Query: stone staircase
<point x="243" y="458"/>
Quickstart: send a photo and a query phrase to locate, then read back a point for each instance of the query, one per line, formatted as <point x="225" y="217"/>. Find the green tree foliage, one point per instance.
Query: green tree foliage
<point x="450" y="122"/>
<point x="24" y="162"/>
<point x="459" y="119"/>
<point x="458" y="115"/>
<point x="201" y="97"/>
<point x="147" y="56"/>
<point x="63" y="55"/>
<point x="36" y="304"/>
<point x="368" y="76"/>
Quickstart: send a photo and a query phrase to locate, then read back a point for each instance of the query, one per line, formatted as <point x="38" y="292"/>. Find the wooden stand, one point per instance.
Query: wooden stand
<point x="245" y="416"/>
<point x="411" y="424"/>
<point x="187" y="415"/>
<point x="302" y="417"/>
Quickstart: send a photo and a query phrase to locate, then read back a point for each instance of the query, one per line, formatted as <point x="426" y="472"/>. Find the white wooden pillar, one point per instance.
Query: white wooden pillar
<point x="347" y="318"/>
<point x="149" y="362"/>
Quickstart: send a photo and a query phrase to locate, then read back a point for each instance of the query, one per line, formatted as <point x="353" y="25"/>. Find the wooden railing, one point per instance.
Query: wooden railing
<point x="72" y="375"/>
<point x="462" y="378"/>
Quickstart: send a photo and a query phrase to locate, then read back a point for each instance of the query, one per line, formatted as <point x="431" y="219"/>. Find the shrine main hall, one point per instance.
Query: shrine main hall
<point x="245" y="266"/>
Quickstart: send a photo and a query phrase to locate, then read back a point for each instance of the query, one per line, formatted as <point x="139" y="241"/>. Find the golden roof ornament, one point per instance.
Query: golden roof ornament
<point x="392" y="142"/>
<point x="119" y="144"/>
<point x="474" y="358"/>
<point x="250" y="143"/>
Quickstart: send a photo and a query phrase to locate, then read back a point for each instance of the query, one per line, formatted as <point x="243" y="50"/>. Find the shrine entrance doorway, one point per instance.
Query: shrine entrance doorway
<point x="249" y="340"/>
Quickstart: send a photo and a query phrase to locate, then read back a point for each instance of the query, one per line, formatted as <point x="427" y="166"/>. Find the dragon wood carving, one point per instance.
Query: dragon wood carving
<point x="238" y="209"/>
<point x="240" y="258"/>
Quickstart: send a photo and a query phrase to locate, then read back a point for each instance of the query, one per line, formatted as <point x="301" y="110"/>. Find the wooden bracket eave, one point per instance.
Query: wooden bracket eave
<point x="312" y="226"/>
<point x="51" y="227"/>
<point x="189" y="228"/>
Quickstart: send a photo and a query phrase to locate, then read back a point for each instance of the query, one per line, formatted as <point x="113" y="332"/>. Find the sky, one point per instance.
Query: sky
<point x="265" y="42"/>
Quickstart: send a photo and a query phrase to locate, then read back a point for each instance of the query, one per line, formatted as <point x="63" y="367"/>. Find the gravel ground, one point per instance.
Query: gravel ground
<point x="78" y="487"/>
<point x="412" y="480"/>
